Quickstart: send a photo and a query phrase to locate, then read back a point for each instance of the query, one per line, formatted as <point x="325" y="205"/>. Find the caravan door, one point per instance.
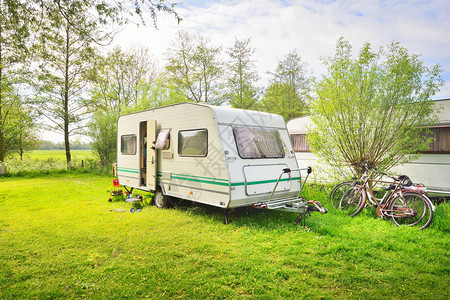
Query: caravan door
<point x="151" y="154"/>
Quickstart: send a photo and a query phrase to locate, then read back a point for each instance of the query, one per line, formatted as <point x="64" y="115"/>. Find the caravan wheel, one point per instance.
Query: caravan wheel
<point x="160" y="200"/>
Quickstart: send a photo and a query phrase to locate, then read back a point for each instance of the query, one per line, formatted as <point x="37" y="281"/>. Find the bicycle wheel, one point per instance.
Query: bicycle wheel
<point x="337" y="193"/>
<point x="353" y="201"/>
<point x="411" y="209"/>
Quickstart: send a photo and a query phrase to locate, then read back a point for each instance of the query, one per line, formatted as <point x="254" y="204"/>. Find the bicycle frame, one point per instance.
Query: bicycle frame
<point x="383" y="203"/>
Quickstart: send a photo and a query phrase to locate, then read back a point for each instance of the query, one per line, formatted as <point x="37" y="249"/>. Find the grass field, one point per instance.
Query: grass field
<point x="59" y="154"/>
<point x="48" y="160"/>
<point x="60" y="238"/>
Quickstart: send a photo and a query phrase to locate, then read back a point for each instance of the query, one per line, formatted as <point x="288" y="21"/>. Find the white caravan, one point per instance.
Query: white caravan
<point x="219" y="156"/>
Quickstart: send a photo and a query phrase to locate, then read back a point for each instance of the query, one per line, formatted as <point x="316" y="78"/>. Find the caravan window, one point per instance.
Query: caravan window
<point x="193" y="142"/>
<point x="258" y="142"/>
<point x="128" y="144"/>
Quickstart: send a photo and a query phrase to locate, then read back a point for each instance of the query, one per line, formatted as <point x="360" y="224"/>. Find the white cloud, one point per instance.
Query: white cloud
<point x="310" y="27"/>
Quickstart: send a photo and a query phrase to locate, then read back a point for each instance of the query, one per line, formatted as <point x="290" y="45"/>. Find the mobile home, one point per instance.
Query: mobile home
<point x="219" y="156"/>
<point x="432" y="169"/>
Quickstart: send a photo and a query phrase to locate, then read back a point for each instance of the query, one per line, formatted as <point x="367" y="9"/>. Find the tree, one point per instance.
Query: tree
<point x="18" y="122"/>
<point x="372" y="108"/>
<point x="15" y="20"/>
<point x="19" y="18"/>
<point x="242" y="76"/>
<point x="289" y="89"/>
<point x="158" y="94"/>
<point x="122" y="78"/>
<point x="105" y="11"/>
<point x="67" y="52"/>
<point x="194" y="68"/>
<point x="120" y="84"/>
<point x="23" y="131"/>
<point x="103" y="131"/>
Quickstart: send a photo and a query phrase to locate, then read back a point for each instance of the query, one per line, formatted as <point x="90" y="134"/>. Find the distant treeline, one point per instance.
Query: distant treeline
<point x="47" y="145"/>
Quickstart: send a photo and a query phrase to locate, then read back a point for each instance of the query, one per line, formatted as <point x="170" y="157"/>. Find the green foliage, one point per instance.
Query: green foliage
<point x="62" y="34"/>
<point x="22" y="130"/>
<point x="61" y="239"/>
<point x="156" y="94"/>
<point x="116" y="194"/>
<point x="76" y="145"/>
<point x="122" y="78"/>
<point x="14" y="47"/>
<point x="66" y="54"/>
<point x="18" y="125"/>
<point x="371" y="108"/>
<point x="289" y="90"/>
<point x="147" y="199"/>
<point x="41" y="162"/>
<point x="442" y="217"/>
<point x="241" y="76"/>
<point x="194" y="68"/>
<point x="103" y="131"/>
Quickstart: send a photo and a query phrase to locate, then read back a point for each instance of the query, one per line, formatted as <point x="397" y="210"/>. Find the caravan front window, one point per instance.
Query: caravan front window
<point x="193" y="142"/>
<point x="128" y="144"/>
<point x="258" y="142"/>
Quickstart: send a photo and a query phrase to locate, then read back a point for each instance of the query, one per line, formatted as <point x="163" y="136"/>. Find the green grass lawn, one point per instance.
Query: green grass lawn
<point x="60" y="238"/>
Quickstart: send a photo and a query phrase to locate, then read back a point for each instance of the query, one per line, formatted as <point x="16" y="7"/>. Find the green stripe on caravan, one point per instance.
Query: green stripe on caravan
<point x="222" y="182"/>
<point x="128" y="170"/>
<point x="208" y="178"/>
<point x="200" y="180"/>
<point x="264" y="181"/>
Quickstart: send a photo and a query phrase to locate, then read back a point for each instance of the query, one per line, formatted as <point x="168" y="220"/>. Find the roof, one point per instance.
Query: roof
<point x="233" y="116"/>
<point x="301" y="124"/>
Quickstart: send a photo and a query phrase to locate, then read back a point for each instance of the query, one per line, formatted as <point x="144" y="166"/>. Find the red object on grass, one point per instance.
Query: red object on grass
<point x="116" y="182"/>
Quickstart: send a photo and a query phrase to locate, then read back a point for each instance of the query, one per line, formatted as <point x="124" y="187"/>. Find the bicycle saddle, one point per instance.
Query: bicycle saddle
<point x="403" y="179"/>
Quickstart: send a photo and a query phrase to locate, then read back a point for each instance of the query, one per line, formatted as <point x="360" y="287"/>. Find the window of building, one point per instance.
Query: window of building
<point x="193" y="142"/>
<point x="128" y="144"/>
<point x="258" y="142"/>
<point x="441" y="143"/>
<point x="300" y="142"/>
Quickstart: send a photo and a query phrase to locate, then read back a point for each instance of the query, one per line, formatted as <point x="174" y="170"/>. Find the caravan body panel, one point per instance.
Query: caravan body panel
<point x="201" y="161"/>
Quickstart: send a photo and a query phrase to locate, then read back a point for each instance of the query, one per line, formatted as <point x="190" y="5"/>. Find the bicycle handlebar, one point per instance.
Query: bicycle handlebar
<point x="375" y="169"/>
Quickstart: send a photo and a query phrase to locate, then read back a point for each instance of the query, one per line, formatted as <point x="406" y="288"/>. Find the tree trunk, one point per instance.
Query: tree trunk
<point x="2" y="142"/>
<point x="66" y="101"/>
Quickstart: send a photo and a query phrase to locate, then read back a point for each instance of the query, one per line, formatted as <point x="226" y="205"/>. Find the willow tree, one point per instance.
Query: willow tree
<point x="372" y="108"/>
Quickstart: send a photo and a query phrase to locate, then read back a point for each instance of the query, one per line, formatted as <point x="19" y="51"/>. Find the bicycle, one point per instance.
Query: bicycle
<point x="403" y="202"/>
